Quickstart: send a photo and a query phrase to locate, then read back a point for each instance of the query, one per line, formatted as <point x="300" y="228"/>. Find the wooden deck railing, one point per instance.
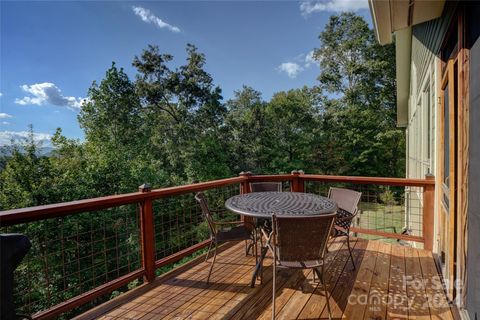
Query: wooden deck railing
<point x="175" y="203"/>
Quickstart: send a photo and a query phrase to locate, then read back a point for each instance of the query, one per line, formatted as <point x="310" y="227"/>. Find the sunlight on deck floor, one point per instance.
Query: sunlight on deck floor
<point x="390" y="282"/>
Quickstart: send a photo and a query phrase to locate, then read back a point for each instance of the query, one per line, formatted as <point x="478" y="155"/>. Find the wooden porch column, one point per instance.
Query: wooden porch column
<point x="298" y="185"/>
<point x="147" y="235"/>
<point x="428" y="213"/>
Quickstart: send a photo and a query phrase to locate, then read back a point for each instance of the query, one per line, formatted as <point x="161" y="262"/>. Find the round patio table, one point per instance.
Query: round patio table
<point x="286" y="204"/>
<point x="264" y="204"/>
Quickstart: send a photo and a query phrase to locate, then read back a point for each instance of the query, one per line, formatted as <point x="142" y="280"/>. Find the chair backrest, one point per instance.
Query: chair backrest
<point x="346" y="199"/>
<point x="266" y="186"/>
<point x="302" y="238"/>
<point x="207" y="215"/>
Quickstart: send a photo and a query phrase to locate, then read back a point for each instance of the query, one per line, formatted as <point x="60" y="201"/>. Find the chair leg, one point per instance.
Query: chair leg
<point x="208" y="252"/>
<point x="273" y="286"/>
<point x="250" y="246"/>
<point x="255" y="247"/>
<point x="322" y="280"/>
<point x="261" y="267"/>
<point x="350" y="250"/>
<point x="213" y="262"/>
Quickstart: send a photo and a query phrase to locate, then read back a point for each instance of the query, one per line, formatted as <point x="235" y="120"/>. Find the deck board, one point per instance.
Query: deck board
<point x="317" y="301"/>
<point x="397" y="289"/>
<point x="364" y="293"/>
<point x="437" y="302"/>
<point x="355" y="307"/>
<point x="377" y="301"/>
<point x="345" y="277"/>
<point x="417" y="303"/>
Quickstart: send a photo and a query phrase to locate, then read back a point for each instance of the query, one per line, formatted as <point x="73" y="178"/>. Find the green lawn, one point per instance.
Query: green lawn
<point x="376" y="216"/>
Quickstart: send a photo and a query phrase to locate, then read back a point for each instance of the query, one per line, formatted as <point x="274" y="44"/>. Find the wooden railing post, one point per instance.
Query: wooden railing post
<point x="298" y="184"/>
<point x="301" y="181"/>
<point x="147" y="235"/>
<point x="245" y="185"/>
<point x="428" y="213"/>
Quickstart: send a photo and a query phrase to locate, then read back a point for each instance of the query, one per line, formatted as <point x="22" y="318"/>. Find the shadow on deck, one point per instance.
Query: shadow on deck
<point x="390" y="282"/>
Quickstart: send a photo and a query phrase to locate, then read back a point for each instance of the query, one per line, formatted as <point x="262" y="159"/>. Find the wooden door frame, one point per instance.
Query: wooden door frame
<point x="448" y="78"/>
<point x="463" y="154"/>
<point x="459" y="142"/>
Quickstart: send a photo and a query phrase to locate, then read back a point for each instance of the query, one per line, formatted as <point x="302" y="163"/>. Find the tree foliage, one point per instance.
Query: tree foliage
<point x="169" y="125"/>
<point x="357" y="81"/>
<point x="185" y="114"/>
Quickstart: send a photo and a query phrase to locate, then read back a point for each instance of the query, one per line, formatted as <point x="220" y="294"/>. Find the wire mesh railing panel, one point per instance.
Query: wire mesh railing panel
<point x="179" y="223"/>
<point x="74" y="254"/>
<point x="286" y="186"/>
<point x="392" y="209"/>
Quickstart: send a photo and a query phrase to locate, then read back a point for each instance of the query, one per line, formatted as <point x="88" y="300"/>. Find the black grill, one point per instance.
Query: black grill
<point x="13" y="247"/>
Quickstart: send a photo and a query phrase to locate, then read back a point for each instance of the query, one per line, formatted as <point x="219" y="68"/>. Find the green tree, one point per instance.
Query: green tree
<point x="357" y="81"/>
<point x="293" y="125"/>
<point x="111" y="115"/>
<point x="184" y="114"/>
<point x="116" y="150"/>
<point x="70" y="162"/>
<point x="248" y="129"/>
<point x="27" y="178"/>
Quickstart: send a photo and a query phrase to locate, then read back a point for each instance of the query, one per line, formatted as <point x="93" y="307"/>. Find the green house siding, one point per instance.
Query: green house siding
<point x="426" y="41"/>
<point x="421" y="126"/>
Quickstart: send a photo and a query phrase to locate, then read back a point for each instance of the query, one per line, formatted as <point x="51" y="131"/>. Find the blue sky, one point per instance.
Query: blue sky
<point x="52" y="51"/>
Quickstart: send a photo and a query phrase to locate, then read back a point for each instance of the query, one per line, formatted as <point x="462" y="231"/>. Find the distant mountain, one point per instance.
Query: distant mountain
<point x="6" y="151"/>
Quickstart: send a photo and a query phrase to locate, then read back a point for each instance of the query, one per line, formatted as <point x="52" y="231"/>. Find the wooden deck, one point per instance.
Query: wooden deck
<point x="390" y="282"/>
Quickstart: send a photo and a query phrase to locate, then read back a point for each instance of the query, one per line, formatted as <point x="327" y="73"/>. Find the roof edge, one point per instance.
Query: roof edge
<point x="380" y="12"/>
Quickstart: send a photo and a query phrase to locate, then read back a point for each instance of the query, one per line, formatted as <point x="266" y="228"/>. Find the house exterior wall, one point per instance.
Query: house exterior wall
<point x="422" y="127"/>
<point x="425" y="142"/>
<point x="441" y="120"/>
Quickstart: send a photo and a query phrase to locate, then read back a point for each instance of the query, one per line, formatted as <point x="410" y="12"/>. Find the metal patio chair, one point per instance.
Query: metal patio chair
<point x="300" y="243"/>
<point x="259" y="222"/>
<point x="265" y="186"/>
<point x="347" y="201"/>
<point x="225" y="231"/>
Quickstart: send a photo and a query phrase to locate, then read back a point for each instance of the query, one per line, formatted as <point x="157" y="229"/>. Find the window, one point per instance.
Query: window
<point x="446" y="135"/>
<point x="427" y="150"/>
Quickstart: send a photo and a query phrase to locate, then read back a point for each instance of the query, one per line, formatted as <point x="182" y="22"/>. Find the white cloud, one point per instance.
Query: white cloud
<point x="309" y="60"/>
<point x="292" y="69"/>
<point x="148" y="17"/>
<point x="308" y="7"/>
<point x="7" y="136"/>
<point x="299" y="64"/>
<point x="1" y="94"/>
<point x="47" y="93"/>
<point x="5" y="123"/>
<point x="4" y="115"/>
